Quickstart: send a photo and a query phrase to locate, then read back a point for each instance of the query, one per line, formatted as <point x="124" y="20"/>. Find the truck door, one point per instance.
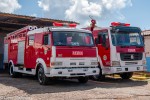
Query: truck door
<point x="104" y="47"/>
<point x="20" y="58"/>
<point x="46" y="46"/>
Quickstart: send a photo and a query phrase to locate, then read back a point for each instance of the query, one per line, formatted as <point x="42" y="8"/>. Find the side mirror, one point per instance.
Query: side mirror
<point x="143" y="39"/>
<point x="105" y="42"/>
<point x="107" y="45"/>
<point x="96" y="41"/>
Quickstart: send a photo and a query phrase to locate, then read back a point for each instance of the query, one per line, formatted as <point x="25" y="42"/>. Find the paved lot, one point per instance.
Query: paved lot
<point x="27" y="88"/>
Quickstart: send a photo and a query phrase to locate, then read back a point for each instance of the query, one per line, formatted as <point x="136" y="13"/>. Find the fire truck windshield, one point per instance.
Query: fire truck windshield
<point x="126" y="38"/>
<point x="72" y="39"/>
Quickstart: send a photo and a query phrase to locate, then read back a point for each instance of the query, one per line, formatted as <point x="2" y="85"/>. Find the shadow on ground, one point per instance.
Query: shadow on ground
<point x="30" y="85"/>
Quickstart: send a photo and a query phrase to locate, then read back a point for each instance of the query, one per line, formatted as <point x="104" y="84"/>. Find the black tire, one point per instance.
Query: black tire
<point x="126" y="75"/>
<point x="83" y="79"/>
<point x="43" y="80"/>
<point x="12" y="73"/>
<point x="99" y="77"/>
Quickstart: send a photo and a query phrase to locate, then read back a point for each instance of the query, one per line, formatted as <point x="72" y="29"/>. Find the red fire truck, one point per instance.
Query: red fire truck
<point x="61" y="51"/>
<point x="120" y="49"/>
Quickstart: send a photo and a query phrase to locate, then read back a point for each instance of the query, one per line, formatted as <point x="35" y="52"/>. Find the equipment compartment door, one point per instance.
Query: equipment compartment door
<point x="6" y="53"/>
<point x="21" y="47"/>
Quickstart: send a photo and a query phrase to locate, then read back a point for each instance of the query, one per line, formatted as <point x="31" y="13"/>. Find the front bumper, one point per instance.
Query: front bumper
<point x="73" y="71"/>
<point x="122" y="69"/>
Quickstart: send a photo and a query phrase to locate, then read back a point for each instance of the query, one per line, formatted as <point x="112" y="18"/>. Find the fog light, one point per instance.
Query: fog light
<point x="126" y="69"/>
<point x="60" y="72"/>
<point x="94" y="71"/>
<point x="70" y="70"/>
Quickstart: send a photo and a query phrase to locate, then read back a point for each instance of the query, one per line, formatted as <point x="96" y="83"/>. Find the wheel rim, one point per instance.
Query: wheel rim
<point x="40" y="75"/>
<point x="11" y="70"/>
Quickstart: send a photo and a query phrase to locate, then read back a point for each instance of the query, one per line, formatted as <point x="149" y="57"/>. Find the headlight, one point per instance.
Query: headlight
<point x="94" y="63"/>
<point x="144" y="62"/>
<point x="115" y="63"/>
<point x="56" y="63"/>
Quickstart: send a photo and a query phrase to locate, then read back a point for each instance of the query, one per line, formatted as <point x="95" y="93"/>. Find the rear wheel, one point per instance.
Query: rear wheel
<point x="98" y="77"/>
<point x="126" y="75"/>
<point x="12" y="73"/>
<point x="83" y="79"/>
<point x="43" y="80"/>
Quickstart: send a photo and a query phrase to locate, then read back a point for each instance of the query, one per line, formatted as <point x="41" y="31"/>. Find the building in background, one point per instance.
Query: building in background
<point x="146" y="34"/>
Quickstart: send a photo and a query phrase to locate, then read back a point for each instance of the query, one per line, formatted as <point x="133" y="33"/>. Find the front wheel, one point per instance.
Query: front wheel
<point x="83" y="79"/>
<point x="126" y="75"/>
<point x="43" y="80"/>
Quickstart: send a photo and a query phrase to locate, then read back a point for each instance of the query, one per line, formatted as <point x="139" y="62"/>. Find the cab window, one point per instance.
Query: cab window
<point x="46" y="39"/>
<point x="31" y="41"/>
<point x="103" y="37"/>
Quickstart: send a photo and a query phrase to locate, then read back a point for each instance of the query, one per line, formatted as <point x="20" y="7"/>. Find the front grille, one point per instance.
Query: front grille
<point x="131" y="63"/>
<point x="131" y="56"/>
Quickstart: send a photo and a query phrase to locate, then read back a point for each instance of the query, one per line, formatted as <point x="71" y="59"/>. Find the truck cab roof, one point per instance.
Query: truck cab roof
<point x="46" y="29"/>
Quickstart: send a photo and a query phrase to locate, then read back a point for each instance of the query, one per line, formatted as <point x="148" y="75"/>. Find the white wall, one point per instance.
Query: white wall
<point x="147" y="45"/>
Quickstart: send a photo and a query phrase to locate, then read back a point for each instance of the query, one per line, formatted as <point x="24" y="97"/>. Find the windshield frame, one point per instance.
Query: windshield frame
<point x="77" y="32"/>
<point x="119" y="31"/>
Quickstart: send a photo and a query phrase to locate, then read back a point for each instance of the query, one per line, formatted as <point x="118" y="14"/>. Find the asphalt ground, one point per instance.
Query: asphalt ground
<point x="112" y="88"/>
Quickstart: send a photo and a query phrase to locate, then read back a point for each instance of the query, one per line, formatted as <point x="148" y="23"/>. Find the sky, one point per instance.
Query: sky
<point x="135" y="12"/>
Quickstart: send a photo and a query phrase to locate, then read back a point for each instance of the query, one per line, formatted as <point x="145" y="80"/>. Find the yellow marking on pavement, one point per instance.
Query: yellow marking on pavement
<point x="139" y="77"/>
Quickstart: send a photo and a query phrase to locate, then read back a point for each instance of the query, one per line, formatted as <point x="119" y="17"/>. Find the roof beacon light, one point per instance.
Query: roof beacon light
<point x="64" y="24"/>
<point x="126" y="24"/>
<point x="119" y="24"/>
<point x="57" y="24"/>
<point x="72" y="25"/>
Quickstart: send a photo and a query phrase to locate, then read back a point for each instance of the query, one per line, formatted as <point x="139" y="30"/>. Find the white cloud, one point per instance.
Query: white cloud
<point x="54" y="8"/>
<point x="9" y="6"/>
<point x="79" y="10"/>
<point x="83" y="8"/>
<point x="44" y="4"/>
<point x="34" y="15"/>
